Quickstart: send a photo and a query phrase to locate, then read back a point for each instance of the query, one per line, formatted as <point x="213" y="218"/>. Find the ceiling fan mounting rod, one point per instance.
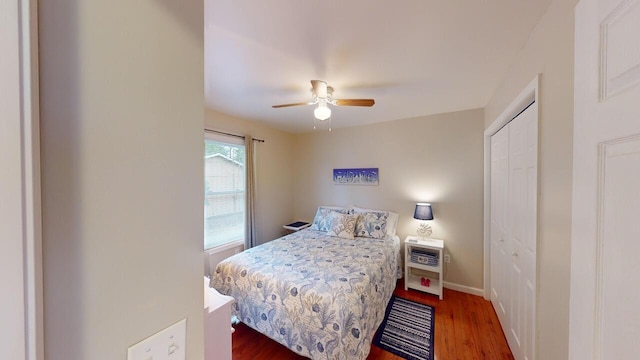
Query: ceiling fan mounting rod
<point x="326" y="99"/>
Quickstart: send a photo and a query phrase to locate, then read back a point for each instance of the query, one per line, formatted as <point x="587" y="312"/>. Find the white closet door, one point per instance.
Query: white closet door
<point x="514" y="182"/>
<point x="523" y="150"/>
<point x="500" y="258"/>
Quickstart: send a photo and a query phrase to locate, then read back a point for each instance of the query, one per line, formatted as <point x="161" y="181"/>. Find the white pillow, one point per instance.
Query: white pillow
<point x="321" y="220"/>
<point x="392" y="221"/>
<point x="342" y="209"/>
<point x="342" y="225"/>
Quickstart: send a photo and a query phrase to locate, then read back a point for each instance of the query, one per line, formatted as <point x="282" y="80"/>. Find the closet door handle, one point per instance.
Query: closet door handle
<point x="514" y="254"/>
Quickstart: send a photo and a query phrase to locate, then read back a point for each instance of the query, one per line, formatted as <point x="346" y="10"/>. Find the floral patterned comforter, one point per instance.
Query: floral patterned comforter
<point x="322" y="297"/>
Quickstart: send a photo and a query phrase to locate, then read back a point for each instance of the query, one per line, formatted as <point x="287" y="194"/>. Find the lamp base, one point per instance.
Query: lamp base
<point x="424" y="231"/>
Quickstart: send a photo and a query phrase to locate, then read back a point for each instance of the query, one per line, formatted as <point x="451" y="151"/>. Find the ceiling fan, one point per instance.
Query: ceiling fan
<point x="323" y="96"/>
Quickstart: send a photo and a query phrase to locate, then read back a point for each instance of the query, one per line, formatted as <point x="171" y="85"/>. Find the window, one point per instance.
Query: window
<point x="224" y="190"/>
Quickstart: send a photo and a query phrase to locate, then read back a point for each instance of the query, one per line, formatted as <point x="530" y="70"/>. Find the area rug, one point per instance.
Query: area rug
<point x="407" y="329"/>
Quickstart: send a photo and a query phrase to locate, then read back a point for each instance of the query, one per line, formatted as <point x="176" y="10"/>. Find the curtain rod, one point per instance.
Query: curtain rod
<point x="229" y="134"/>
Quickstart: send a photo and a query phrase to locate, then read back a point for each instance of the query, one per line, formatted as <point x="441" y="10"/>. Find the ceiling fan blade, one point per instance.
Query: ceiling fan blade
<point x="319" y="88"/>
<point x="353" y="102"/>
<point x="294" y="104"/>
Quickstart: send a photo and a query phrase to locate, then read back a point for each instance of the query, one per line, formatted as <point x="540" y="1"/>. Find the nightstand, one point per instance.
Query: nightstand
<point x="296" y="226"/>
<point x="423" y="265"/>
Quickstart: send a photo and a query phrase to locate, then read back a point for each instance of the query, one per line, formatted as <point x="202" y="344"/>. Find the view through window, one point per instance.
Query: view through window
<point x="224" y="191"/>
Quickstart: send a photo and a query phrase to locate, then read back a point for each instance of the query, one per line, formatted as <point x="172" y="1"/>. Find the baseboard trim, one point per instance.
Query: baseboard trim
<point x="464" y="288"/>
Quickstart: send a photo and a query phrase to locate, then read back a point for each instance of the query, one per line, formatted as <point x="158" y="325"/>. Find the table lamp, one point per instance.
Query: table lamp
<point x="423" y="212"/>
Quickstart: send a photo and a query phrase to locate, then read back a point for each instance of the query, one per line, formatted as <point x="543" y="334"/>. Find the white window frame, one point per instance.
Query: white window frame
<point x="231" y="140"/>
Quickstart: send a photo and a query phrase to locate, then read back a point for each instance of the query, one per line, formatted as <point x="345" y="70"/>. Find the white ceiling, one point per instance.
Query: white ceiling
<point x="414" y="57"/>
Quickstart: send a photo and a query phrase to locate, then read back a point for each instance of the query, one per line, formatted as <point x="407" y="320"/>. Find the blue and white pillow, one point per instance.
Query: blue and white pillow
<point x="372" y="224"/>
<point x="392" y="221"/>
<point x="321" y="221"/>
<point x="342" y="225"/>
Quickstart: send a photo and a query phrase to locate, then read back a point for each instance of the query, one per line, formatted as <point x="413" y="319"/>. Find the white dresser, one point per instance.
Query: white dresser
<point x="217" y="324"/>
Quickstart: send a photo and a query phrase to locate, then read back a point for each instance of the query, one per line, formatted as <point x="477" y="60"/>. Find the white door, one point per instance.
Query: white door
<point x="523" y="189"/>
<point x="513" y="229"/>
<point x="605" y="244"/>
<point x="499" y="223"/>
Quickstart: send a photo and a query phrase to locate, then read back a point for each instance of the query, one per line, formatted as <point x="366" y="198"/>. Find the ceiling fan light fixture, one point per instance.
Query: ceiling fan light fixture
<point x="322" y="95"/>
<point x="322" y="112"/>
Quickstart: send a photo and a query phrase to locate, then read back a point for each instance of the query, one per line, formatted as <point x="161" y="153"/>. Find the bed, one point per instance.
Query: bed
<point x="322" y="296"/>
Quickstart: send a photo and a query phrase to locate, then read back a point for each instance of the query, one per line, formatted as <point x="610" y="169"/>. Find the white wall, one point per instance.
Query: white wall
<point x="434" y="158"/>
<point x="122" y="175"/>
<point x="549" y="52"/>
<point x="12" y="301"/>
<point x="274" y="172"/>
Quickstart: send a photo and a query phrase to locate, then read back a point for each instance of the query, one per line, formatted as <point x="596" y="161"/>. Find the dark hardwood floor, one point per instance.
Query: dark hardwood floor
<point x="466" y="328"/>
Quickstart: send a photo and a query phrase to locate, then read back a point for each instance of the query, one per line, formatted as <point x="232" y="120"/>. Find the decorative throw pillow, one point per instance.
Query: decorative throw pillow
<point x="392" y="221"/>
<point x="342" y="225"/>
<point x="372" y="224"/>
<point x="321" y="220"/>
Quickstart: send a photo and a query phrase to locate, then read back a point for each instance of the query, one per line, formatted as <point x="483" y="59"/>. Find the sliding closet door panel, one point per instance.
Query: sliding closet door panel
<point x="514" y="180"/>
<point x="531" y="235"/>
<point x="499" y="223"/>
<point x="522" y="237"/>
<point x="516" y="235"/>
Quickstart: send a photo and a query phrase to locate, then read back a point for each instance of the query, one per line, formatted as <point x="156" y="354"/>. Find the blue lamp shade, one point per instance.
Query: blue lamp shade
<point x="423" y="212"/>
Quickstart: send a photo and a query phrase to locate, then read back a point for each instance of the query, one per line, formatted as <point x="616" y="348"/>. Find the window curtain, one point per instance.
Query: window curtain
<point x="250" y="196"/>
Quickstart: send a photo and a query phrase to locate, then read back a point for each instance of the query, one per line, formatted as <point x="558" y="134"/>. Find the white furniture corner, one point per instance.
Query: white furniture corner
<point x="296" y="226"/>
<point x="428" y="266"/>
<point x="217" y="324"/>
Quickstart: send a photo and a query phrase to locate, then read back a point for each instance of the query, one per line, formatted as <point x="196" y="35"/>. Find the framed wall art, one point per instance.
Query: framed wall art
<point x="359" y="176"/>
